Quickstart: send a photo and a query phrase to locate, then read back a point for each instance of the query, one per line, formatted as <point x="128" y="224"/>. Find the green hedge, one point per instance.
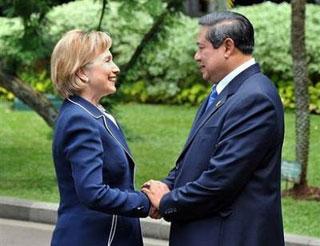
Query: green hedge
<point x="166" y="72"/>
<point x="272" y="27"/>
<point x="273" y="49"/>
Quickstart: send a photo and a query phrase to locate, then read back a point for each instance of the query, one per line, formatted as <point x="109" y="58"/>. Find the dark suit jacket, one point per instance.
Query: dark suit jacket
<point x="94" y="169"/>
<point x="226" y="183"/>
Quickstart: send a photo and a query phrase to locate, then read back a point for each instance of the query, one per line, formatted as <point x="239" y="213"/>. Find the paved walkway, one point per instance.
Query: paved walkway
<point x="26" y="223"/>
<point x="18" y="233"/>
<point x="26" y="233"/>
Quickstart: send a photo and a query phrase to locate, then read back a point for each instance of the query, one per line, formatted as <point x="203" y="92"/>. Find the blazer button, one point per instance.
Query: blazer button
<point x="171" y="211"/>
<point x="226" y="212"/>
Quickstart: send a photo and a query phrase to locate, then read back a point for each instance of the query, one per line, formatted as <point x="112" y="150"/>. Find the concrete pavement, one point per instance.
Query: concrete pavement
<point x="26" y="233"/>
<point x="25" y="222"/>
<point x="18" y="233"/>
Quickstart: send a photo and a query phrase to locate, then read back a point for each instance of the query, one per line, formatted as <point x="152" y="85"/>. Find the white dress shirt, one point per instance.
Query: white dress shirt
<point x="226" y="80"/>
<point x="110" y="117"/>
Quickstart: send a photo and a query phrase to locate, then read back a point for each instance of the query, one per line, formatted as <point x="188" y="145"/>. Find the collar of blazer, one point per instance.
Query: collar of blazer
<point x="86" y="106"/>
<point x="231" y="88"/>
<point x="97" y="114"/>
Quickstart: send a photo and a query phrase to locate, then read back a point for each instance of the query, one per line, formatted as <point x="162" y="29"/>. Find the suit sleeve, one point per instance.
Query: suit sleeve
<point x="84" y="151"/>
<point x="246" y="137"/>
<point x="169" y="180"/>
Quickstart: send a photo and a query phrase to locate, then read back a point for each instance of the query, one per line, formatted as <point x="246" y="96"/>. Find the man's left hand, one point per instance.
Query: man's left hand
<point x="155" y="190"/>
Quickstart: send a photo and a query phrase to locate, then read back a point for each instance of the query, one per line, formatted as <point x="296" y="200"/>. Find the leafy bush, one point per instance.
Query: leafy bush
<point x="314" y="92"/>
<point x="126" y="31"/>
<point x="272" y="48"/>
<point x="286" y="91"/>
<point x="167" y="66"/>
<point x="6" y="94"/>
<point x="173" y="63"/>
<point x="272" y="27"/>
<point x="11" y="31"/>
<point x="40" y="81"/>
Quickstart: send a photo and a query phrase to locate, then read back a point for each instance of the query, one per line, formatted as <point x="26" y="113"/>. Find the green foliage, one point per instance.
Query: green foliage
<point x="193" y="95"/>
<point x="168" y="65"/>
<point x="286" y="91"/>
<point x="166" y="71"/>
<point x="31" y="42"/>
<point x="272" y="47"/>
<point x="40" y="81"/>
<point x="10" y="32"/>
<point x="126" y="31"/>
<point x="314" y="92"/>
<point x="6" y="94"/>
<point x="135" y="92"/>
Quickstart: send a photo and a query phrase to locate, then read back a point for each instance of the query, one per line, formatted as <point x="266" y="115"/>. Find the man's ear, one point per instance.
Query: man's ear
<point x="229" y="46"/>
<point x="82" y="75"/>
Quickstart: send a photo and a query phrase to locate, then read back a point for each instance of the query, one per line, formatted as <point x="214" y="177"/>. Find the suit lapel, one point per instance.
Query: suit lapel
<point x="202" y="117"/>
<point x="199" y="114"/>
<point x="117" y="134"/>
<point x="205" y="117"/>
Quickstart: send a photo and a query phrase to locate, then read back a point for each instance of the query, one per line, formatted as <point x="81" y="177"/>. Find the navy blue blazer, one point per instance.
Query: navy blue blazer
<point x="226" y="182"/>
<point x="95" y="172"/>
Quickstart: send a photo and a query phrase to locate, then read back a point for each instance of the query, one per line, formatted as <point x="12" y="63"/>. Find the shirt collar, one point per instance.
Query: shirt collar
<point x="226" y="80"/>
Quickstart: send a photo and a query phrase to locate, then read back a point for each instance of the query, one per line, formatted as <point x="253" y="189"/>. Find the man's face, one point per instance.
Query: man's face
<point x="211" y="61"/>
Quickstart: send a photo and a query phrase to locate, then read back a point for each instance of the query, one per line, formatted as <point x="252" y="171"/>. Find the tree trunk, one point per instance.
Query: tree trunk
<point x="29" y="96"/>
<point x="300" y="75"/>
<point x="104" y="6"/>
<point x="148" y="36"/>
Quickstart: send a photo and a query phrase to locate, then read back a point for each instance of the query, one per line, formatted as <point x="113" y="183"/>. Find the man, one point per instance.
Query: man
<point x="225" y="187"/>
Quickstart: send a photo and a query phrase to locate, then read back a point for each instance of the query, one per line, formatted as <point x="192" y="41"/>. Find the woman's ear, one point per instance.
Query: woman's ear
<point x="82" y="75"/>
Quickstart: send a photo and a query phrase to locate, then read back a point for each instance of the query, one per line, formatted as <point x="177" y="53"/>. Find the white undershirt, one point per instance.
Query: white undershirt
<point x="227" y="79"/>
<point x="110" y="117"/>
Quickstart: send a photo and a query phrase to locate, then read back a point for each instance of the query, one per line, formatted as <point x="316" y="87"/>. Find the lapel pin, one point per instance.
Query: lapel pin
<point x="218" y="104"/>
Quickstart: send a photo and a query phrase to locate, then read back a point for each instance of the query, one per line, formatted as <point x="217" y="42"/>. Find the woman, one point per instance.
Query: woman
<point x="93" y="163"/>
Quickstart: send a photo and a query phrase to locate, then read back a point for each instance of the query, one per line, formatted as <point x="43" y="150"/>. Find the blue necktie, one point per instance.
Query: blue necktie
<point x="212" y="97"/>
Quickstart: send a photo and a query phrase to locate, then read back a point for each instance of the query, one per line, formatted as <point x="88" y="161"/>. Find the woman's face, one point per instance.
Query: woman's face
<point x="102" y="75"/>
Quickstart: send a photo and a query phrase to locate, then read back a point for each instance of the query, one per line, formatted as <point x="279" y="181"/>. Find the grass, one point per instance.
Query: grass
<point x="26" y="169"/>
<point x="156" y="134"/>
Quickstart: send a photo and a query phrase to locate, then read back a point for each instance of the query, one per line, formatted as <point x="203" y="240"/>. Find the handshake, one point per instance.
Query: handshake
<point x="155" y="190"/>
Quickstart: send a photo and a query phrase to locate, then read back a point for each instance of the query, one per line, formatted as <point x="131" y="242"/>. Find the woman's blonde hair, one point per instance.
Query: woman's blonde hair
<point x="73" y="51"/>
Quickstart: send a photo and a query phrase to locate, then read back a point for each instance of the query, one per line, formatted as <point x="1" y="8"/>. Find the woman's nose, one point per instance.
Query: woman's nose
<point x="115" y="68"/>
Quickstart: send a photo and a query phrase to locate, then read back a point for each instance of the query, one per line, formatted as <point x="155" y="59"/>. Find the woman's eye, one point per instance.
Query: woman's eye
<point x="107" y="59"/>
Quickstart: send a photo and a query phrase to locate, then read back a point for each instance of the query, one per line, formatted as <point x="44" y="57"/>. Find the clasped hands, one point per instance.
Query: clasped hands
<point x="155" y="190"/>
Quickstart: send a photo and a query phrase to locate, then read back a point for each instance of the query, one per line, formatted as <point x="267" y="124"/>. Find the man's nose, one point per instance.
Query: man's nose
<point x="196" y="56"/>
